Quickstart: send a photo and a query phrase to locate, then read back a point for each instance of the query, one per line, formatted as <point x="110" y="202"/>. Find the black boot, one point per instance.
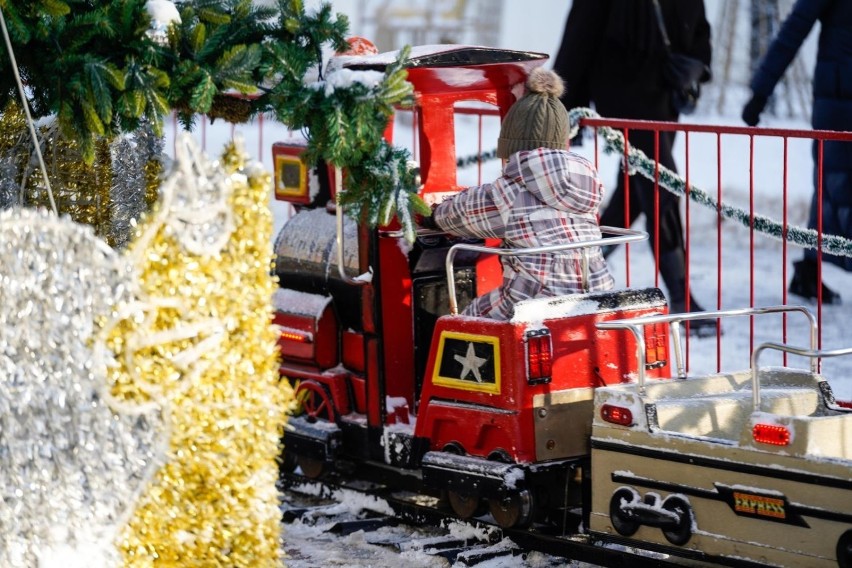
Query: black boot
<point x="804" y="283"/>
<point x="673" y="272"/>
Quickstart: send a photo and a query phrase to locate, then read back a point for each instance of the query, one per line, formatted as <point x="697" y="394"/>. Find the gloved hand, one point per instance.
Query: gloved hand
<point x="753" y="108"/>
<point x="427" y="222"/>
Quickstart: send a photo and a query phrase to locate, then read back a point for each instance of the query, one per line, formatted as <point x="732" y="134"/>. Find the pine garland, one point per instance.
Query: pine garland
<point x="87" y="63"/>
<point x="343" y="115"/>
<point x="104" y="67"/>
<point x="101" y="69"/>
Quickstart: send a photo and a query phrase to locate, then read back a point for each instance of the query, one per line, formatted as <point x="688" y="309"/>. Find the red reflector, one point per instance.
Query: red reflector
<point x="771" y="434"/>
<point x="539" y="360"/>
<point x="617" y="415"/>
<point x="656" y="344"/>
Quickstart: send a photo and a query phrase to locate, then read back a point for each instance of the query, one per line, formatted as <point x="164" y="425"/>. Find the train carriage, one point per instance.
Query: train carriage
<point x="751" y="467"/>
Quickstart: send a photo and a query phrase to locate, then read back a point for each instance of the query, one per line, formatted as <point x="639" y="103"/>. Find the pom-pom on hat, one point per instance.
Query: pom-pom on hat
<point x="536" y="120"/>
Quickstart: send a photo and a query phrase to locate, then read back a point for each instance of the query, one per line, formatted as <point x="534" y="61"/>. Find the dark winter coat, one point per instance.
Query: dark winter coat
<point x="832" y="106"/>
<point x="544" y="197"/>
<point x="832" y="85"/>
<point x="612" y="54"/>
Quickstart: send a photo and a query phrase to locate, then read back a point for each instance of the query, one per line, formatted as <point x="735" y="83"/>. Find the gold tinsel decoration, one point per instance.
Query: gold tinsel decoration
<point x="201" y="344"/>
<point x="85" y="192"/>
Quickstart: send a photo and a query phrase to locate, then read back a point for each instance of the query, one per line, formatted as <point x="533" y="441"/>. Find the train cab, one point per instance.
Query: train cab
<point x="381" y="296"/>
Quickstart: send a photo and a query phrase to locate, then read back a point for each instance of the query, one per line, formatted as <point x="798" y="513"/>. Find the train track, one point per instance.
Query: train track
<point x="423" y="523"/>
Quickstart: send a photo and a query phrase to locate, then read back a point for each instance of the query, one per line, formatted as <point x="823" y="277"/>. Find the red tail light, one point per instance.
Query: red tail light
<point x="616" y="415"/>
<point x="297" y="335"/>
<point x="772" y="434"/>
<point x="539" y="356"/>
<point x="656" y="345"/>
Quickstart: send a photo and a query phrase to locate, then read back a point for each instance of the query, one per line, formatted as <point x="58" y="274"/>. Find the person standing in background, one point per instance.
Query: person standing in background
<point x="612" y="54"/>
<point x="832" y="110"/>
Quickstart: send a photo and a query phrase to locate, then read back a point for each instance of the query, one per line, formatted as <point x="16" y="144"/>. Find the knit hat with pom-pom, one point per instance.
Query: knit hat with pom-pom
<point x="538" y="119"/>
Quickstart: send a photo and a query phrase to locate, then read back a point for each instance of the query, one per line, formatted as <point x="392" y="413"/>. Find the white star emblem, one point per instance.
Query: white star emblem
<point x="470" y="363"/>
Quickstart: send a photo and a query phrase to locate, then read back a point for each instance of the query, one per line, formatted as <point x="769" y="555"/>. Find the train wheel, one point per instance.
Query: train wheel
<point x="844" y="550"/>
<point x="463" y="505"/>
<point x="680" y="534"/>
<point x="311" y="468"/>
<point x="513" y="511"/>
<point x="622" y="521"/>
<point x="315" y="401"/>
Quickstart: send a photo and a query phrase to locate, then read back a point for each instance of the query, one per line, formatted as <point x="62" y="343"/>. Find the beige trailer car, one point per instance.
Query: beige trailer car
<point x="746" y="468"/>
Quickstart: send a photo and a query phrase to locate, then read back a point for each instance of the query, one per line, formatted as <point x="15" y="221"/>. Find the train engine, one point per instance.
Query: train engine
<point x="390" y="378"/>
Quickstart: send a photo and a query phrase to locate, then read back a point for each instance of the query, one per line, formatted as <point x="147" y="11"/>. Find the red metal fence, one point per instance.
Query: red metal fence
<point x="760" y="174"/>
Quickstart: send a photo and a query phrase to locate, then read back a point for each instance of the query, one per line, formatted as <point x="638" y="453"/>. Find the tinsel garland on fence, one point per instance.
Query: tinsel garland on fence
<point x="638" y="162"/>
<point x="477" y="159"/>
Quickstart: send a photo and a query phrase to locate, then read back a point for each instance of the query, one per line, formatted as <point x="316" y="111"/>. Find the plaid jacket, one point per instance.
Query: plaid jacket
<point x="544" y="197"/>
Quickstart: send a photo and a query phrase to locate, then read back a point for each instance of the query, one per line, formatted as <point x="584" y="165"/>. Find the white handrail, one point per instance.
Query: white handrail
<point x="338" y="215"/>
<point x="635" y="325"/>
<point x="625" y="236"/>
<point x="812" y="353"/>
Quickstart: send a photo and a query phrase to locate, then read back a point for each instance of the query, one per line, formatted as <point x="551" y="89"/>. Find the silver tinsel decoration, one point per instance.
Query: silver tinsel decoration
<point x="196" y="193"/>
<point x="131" y="154"/>
<point x="10" y="190"/>
<point x="71" y="465"/>
<point x="132" y="159"/>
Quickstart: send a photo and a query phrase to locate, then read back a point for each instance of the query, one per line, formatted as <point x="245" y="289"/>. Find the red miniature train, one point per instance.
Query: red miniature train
<point x="496" y="414"/>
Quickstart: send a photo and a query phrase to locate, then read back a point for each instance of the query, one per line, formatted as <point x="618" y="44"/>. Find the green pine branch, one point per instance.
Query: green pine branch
<point x="100" y="69"/>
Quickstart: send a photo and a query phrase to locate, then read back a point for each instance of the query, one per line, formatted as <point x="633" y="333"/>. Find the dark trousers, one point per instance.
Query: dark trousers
<point x="643" y="200"/>
<point x="836" y="199"/>
<point x="642" y="195"/>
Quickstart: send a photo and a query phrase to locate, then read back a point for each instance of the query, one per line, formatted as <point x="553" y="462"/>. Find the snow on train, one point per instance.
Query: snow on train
<point x="568" y="414"/>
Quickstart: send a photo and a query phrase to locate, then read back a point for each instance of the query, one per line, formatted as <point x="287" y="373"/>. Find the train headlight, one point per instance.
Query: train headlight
<point x="291" y="173"/>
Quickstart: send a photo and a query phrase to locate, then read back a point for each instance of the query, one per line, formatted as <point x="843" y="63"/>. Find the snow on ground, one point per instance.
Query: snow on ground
<point x="309" y="544"/>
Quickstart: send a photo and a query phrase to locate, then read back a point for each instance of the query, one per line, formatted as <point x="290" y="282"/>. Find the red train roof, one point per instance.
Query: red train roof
<point x="436" y="69"/>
